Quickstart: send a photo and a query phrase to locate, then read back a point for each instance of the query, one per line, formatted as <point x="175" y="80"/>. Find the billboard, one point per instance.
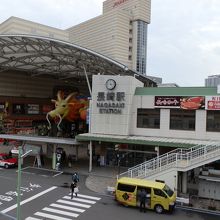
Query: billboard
<point x="212" y="103"/>
<point x="182" y="102"/>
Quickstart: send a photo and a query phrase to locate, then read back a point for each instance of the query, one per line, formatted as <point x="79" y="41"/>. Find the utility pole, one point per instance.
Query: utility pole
<point x="19" y="184"/>
<point x="20" y="156"/>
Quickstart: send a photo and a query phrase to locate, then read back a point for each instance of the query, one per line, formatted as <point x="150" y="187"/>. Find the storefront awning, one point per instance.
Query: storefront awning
<point x="143" y="140"/>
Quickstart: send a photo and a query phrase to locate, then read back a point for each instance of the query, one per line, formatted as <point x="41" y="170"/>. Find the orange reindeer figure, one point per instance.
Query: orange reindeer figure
<point x="67" y="108"/>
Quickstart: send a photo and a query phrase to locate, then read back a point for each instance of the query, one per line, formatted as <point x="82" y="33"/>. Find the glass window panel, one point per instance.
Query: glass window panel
<point x="182" y="119"/>
<point x="148" y="118"/>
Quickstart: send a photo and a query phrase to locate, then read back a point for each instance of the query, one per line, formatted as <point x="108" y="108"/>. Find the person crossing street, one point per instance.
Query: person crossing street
<point x="74" y="189"/>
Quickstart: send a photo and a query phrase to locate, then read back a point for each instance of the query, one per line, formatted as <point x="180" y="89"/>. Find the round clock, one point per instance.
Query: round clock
<point x="110" y="84"/>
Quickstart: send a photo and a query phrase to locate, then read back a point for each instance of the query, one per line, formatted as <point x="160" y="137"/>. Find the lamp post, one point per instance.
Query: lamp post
<point x="20" y="156"/>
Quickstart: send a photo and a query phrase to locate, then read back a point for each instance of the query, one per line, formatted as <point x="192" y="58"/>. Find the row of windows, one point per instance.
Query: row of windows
<point x="131" y="189"/>
<point x="179" y="119"/>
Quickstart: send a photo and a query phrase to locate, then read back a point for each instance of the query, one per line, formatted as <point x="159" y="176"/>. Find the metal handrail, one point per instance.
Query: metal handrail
<point x="181" y="158"/>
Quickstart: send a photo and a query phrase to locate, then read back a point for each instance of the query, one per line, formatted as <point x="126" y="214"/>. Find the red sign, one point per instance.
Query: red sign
<point x="119" y="2"/>
<point x="189" y="103"/>
<point x="213" y="105"/>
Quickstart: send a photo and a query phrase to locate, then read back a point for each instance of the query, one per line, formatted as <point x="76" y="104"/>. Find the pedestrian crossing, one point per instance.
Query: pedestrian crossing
<point x="65" y="208"/>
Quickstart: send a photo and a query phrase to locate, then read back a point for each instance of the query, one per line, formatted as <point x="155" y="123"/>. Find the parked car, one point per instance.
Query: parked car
<point x="7" y="161"/>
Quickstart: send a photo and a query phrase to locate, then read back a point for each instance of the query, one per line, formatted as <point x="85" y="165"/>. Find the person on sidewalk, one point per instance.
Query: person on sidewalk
<point x="142" y="198"/>
<point x="74" y="189"/>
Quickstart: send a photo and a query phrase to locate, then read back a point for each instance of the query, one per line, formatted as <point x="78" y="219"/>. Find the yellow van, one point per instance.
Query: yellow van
<point x="160" y="196"/>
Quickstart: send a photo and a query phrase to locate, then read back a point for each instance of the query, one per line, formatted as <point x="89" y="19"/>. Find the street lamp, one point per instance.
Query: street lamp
<point x="20" y="156"/>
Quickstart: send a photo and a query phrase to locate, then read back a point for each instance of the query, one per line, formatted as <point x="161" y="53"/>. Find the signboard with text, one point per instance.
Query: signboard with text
<point x="110" y="102"/>
<point x="189" y="103"/>
<point x="212" y="103"/>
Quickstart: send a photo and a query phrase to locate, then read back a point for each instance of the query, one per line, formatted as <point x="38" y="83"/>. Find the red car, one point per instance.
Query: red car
<point x="6" y="161"/>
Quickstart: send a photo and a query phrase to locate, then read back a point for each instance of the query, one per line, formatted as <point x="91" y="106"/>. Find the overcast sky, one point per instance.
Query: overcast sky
<point x="183" y="37"/>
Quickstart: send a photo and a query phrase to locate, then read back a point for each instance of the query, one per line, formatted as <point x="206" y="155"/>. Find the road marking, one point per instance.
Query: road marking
<point x="79" y="200"/>
<point x="29" y="199"/>
<point x="31" y="218"/>
<point x="73" y="203"/>
<point x="67" y="208"/>
<point x="87" y="197"/>
<point x="61" y="212"/>
<point x="54" y="217"/>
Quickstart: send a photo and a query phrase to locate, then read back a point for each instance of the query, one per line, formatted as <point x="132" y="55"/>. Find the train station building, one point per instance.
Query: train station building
<point x="156" y="132"/>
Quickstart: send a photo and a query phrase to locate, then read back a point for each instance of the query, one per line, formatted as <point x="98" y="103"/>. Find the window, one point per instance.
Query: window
<point x="168" y="191"/>
<point x="213" y="121"/>
<point x="182" y="119"/>
<point x="129" y="57"/>
<point x="148" y="118"/>
<point x="126" y="188"/>
<point x="159" y="192"/>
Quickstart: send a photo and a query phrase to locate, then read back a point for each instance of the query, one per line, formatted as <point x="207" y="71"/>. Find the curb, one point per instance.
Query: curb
<point x="89" y="174"/>
<point x="200" y="210"/>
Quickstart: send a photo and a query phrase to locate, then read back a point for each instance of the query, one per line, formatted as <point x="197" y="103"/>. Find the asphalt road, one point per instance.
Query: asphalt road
<point x="45" y="195"/>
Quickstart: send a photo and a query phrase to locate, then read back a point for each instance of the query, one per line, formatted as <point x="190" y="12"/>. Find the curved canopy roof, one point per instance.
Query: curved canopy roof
<point x="59" y="59"/>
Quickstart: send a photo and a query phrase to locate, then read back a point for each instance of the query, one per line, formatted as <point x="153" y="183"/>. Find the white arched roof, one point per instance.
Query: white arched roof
<point x="59" y="59"/>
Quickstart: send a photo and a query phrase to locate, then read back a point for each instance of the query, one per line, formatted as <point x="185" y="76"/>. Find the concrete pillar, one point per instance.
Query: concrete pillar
<point x="184" y="182"/>
<point x="54" y="157"/>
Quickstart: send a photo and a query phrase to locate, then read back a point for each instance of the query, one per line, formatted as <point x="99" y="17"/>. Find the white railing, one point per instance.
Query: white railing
<point x="178" y="158"/>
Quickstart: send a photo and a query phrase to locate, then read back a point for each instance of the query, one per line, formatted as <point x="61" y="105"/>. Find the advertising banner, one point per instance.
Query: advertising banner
<point x="212" y="102"/>
<point x="182" y="102"/>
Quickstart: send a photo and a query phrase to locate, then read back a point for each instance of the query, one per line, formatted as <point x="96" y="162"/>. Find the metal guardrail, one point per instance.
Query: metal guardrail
<point x="178" y="158"/>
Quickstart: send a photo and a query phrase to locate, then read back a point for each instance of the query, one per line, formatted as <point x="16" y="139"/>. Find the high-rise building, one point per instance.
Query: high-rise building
<point x="212" y="81"/>
<point x="120" y="33"/>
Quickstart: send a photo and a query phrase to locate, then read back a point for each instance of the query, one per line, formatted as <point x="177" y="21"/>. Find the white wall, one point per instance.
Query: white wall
<point x="168" y="176"/>
<point x="164" y="131"/>
<point x="113" y="123"/>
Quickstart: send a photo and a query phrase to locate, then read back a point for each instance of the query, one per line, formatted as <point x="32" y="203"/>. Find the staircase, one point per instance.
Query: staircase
<point x="179" y="159"/>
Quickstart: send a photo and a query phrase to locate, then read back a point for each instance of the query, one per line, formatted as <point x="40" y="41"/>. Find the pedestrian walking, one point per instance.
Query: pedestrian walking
<point x="75" y="177"/>
<point x="142" y="198"/>
<point x="74" y="189"/>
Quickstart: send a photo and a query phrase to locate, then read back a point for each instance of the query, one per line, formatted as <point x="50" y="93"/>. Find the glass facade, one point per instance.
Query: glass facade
<point x="141" y="47"/>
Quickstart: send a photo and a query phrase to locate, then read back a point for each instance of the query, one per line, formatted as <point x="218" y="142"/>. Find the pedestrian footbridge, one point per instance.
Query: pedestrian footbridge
<point x="166" y="166"/>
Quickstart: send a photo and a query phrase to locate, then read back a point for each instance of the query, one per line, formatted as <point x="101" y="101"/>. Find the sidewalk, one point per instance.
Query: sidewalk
<point x="99" y="179"/>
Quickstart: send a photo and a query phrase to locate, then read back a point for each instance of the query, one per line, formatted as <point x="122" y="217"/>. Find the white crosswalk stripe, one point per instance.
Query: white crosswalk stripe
<point x="54" y="217"/>
<point x="88" y="197"/>
<point x="73" y="203"/>
<point x="66" y="208"/>
<point x="61" y="212"/>
<point x="31" y="218"/>
<point x="79" y="200"/>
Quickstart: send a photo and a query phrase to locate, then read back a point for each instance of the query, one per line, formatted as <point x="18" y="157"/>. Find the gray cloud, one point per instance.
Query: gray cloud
<point x="183" y="43"/>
